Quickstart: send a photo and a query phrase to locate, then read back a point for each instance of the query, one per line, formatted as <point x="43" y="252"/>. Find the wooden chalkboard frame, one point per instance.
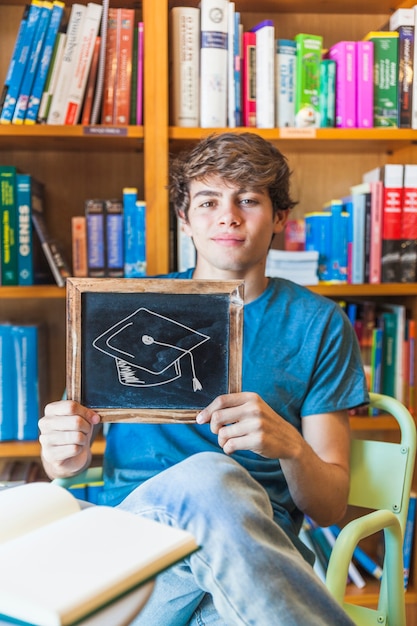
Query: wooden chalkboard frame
<point x="76" y="287"/>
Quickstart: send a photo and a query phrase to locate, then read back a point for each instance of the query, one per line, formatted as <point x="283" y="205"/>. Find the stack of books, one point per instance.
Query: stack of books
<point x="299" y="266"/>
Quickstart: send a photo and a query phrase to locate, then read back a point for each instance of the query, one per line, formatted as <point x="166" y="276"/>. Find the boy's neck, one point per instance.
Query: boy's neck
<point x="255" y="280"/>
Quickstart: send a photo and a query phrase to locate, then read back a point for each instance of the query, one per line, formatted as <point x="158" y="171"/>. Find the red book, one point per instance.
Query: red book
<point x="249" y="79"/>
<point x="110" y="69"/>
<point x="392" y="178"/>
<point x="125" y="25"/>
<point x="91" y="84"/>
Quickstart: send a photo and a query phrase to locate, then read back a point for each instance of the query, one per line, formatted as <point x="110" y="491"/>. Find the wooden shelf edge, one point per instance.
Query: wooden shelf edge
<point x="27" y="449"/>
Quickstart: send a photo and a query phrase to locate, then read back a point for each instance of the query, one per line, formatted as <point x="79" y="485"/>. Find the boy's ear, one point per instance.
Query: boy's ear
<point x="183" y="223"/>
<point x="280" y="220"/>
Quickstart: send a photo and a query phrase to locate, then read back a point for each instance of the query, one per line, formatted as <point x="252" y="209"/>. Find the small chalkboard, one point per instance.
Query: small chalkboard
<point x="152" y="350"/>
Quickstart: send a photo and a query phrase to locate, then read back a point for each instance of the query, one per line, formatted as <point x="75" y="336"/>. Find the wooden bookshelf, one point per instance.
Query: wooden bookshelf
<point x="76" y="163"/>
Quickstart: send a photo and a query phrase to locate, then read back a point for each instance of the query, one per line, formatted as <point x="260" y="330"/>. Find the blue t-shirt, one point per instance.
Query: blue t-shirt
<point x="300" y="355"/>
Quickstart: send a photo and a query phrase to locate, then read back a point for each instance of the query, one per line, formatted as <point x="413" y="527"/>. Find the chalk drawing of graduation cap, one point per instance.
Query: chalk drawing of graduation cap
<point x="148" y="348"/>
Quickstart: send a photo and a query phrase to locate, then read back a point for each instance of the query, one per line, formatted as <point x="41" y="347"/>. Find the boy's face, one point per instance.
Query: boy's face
<point x="231" y="228"/>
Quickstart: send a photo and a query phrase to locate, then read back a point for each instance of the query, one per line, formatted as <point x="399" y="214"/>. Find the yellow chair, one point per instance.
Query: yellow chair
<point x="381" y="478"/>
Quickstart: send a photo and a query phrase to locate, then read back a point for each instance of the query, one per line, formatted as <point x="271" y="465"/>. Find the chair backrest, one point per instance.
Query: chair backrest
<point x="382" y="472"/>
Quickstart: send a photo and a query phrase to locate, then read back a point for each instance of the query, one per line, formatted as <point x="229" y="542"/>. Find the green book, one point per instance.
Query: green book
<point x="8" y="215"/>
<point x="389" y="349"/>
<point x="385" y="77"/>
<point x="307" y="85"/>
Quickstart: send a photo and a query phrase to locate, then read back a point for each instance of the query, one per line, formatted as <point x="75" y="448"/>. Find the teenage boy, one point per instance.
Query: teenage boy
<point x="241" y="477"/>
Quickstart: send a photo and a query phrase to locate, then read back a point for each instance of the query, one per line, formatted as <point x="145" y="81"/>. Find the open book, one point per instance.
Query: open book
<point x="59" y="563"/>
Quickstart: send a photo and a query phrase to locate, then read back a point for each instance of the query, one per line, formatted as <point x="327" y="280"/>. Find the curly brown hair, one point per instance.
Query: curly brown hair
<point x="245" y="159"/>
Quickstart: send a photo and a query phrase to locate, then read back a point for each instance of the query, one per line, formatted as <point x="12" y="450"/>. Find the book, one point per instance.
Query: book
<point x="24" y="229"/>
<point x="300" y="266"/>
<point x="34" y="59"/>
<point x="121" y="104"/>
<point x="77" y="84"/>
<point x="344" y="55"/>
<point x="134" y="212"/>
<point x="362" y="558"/>
<point x="19" y="42"/>
<point x="389" y="350"/>
<point x="285" y="83"/>
<point x="45" y="62"/>
<point x="249" y="79"/>
<point x="231" y="93"/>
<point x="402" y="21"/>
<point x="265" y="74"/>
<point x="79" y="246"/>
<point x="385" y="77"/>
<point x="96" y="237"/>
<point x="8" y="426"/>
<point x="134" y="81"/>
<point x="318" y="237"/>
<point x="9" y="223"/>
<point x="68" y="64"/>
<point x="42" y="273"/>
<point x="52" y="250"/>
<point x="410" y="399"/>
<point x="376" y="189"/>
<point x="85" y="562"/>
<point x="328" y="93"/>
<point x="20" y="63"/>
<point x="357" y="255"/>
<point x="213" y="63"/>
<point x="408" y="536"/>
<point x="307" y="100"/>
<point x="408" y="254"/>
<point x="52" y="77"/>
<point x="365" y="84"/>
<point x="110" y="67"/>
<point x="392" y="179"/>
<point x="338" y="240"/>
<point x="113" y="211"/>
<point x="400" y="312"/>
<point x="140" y="61"/>
<point x="91" y="84"/>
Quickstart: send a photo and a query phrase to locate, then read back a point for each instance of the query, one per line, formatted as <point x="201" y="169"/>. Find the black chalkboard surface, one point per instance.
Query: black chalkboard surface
<point x="153" y="349"/>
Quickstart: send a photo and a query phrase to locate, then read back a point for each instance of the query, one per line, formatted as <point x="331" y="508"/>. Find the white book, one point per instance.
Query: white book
<point x="213" y="63"/>
<point x="185" y="64"/>
<point x="52" y="77"/>
<point x="60" y="563"/>
<point x="265" y="74"/>
<point x="76" y="90"/>
<point x="285" y="83"/>
<point x="57" y="110"/>
<point x="231" y="94"/>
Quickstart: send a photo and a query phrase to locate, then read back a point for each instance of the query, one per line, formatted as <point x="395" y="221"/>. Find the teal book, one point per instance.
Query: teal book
<point x="8" y="427"/>
<point x="389" y="349"/>
<point x="25" y="351"/>
<point x="8" y="217"/>
<point x="24" y="230"/>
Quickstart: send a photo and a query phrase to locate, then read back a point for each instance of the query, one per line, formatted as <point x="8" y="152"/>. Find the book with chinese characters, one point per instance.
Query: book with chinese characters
<point x="75" y="560"/>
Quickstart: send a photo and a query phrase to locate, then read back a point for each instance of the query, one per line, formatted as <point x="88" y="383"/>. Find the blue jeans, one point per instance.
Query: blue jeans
<point x="247" y="571"/>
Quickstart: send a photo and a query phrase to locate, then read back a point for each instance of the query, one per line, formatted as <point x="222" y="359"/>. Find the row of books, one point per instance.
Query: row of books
<point x="225" y="76"/>
<point x="29" y="255"/>
<point x="109" y="240"/>
<point x="21" y="381"/>
<point x="369" y="235"/>
<point x="64" y="73"/>
<point x="386" y="339"/>
<point x="321" y="540"/>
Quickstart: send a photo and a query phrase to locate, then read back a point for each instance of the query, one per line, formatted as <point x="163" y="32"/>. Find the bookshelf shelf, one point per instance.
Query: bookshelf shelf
<point x="29" y="449"/>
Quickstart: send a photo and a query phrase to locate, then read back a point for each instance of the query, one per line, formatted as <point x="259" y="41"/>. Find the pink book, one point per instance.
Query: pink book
<point x="249" y="79"/>
<point x="365" y="84"/>
<point x="139" y="99"/>
<point x="344" y="53"/>
<point x="376" y="188"/>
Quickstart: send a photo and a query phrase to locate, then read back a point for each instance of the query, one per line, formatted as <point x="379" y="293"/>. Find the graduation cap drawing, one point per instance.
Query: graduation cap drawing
<point x="149" y="348"/>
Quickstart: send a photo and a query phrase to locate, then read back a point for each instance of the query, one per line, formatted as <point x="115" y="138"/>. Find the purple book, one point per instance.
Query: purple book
<point x="344" y="53"/>
<point x="365" y="84"/>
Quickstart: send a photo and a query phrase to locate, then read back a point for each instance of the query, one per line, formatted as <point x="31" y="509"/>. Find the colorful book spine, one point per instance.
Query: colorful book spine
<point x="19" y="113"/>
<point x="134" y="81"/>
<point x="365" y="84"/>
<point x="91" y="84"/>
<point x="78" y="82"/>
<point x="113" y="209"/>
<point x="109" y="76"/>
<point x="79" y="246"/>
<point x="358" y="236"/>
<point x="328" y="93"/>
<point x="375" y="253"/>
<point x="285" y="83"/>
<point x="307" y="98"/>
<point x="392" y="178"/>
<point x="45" y="62"/>
<point x="22" y="60"/>
<point x="69" y="61"/>
<point x="25" y="343"/>
<point x="8" y="215"/>
<point x="18" y="45"/>
<point x="231" y="94"/>
<point x="124" y="67"/>
<point x="344" y="54"/>
<point x="249" y="79"/>
<point x="134" y="212"/>
<point x="213" y="64"/>
<point x="318" y="237"/>
<point x="24" y="229"/>
<point x="402" y="21"/>
<point x="96" y="238"/>
<point x="408" y="536"/>
<point x="8" y="426"/>
<point x="52" y="250"/>
<point x="237" y="68"/>
<point x="52" y="77"/>
<point x="265" y="70"/>
<point x="385" y="77"/>
<point x="139" y="97"/>
<point x="408" y="259"/>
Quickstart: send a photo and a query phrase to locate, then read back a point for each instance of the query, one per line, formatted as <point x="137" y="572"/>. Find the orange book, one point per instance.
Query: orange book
<point x="125" y="36"/>
<point x="91" y="84"/>
<point x="79" y="246"/>
<point x="110" y="69"/>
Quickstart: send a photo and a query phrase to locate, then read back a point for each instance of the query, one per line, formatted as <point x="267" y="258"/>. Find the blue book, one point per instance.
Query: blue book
<point x="8" y="426"/>
<point x="25" y="350"/>
<point x="45" y="61"/>
<point x="24" y="229"/>
<point x="362" y="558"/>
<point x="96" y="254"/>
<point x="15" y="54"/>
<point x="338" y="243"/>
<point x="134" y="234"/>
<point x="21" y="63"/>
<point x="318" y="237"/>
<point x="408" y="536"/>
<point x="33" y="62"/>
<point x="358" y="236"/>
<point x="114" y="238"/>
